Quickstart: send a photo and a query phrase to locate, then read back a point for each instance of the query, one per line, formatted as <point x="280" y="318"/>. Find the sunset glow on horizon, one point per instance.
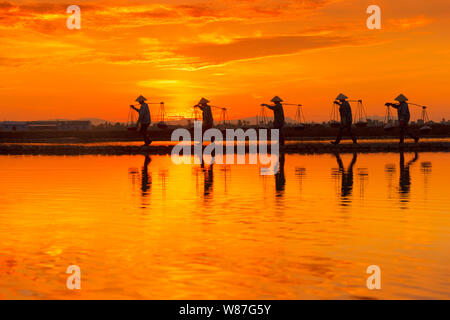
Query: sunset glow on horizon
<point x="238" y="54"/>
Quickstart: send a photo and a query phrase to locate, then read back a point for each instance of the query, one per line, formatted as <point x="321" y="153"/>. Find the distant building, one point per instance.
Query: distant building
<point x="74" y="125"/>
<point x="60" y="125"/>
<point x="14" y="126"/>
<point x="375" y="123"/>
<point x="45" y="125"/>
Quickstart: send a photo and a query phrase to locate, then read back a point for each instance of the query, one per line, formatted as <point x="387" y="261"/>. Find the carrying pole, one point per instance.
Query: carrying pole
<point x="292" y="104"/>
<point x="417" y="105"/>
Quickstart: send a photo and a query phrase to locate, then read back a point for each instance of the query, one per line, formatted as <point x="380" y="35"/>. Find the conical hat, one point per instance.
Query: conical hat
<point x="341" y="97"/>
<point x="203" y="101"/>
<point x="401" y="98"/>
<point x="141" y="98"/>
<point x="277" y="99"/>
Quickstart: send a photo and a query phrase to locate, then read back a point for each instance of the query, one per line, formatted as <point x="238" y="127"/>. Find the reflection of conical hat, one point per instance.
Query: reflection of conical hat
<point x="203" y="101"/>
<point x="141" y="98"/>
<point x="401" y="98"/>
<point x="341" y="97"/>
<point x="277" y="99"/>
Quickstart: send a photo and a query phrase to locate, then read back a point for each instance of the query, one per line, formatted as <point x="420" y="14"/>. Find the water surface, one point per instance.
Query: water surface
<point x="143" y="228"/>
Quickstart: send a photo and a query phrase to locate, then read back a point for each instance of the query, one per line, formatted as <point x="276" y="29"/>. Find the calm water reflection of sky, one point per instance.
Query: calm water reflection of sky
<point x="142" y="227"/>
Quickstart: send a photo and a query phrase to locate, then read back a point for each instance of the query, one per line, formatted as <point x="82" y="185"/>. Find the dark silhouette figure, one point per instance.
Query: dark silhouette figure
<point x="345" y="112"/>
<point x="346" y="175"/>
<point x="278" y="116"/>
<point x="144" y="119"/>
<point x="280" y="179"/>
<point x="207" y="116"/>
<point x="405" y="177"/>
<point x="208" y="174"/>
<point x="208" y="120"/>
<point x="403" y="118"/>
<point x="146" y="179"/>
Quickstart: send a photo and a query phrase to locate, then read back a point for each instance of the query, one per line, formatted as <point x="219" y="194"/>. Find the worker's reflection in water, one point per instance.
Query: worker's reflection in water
<point x="208" y="179"/>
<point x="346" y="176"/>
<point x="280" y="179"/>
<point x="146" y="178"/>
<point x="405" y="176"/>
<point x="208" y="175"/>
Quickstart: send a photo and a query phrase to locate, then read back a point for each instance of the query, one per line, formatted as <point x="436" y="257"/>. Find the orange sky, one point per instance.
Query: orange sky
<point x="238" y="54"/>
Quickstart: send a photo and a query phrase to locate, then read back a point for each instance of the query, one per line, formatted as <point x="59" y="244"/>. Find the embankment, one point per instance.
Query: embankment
<point x="293" y="147"/>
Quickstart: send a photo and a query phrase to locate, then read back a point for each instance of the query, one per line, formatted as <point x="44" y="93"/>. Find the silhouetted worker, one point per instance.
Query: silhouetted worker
<point x="405" y="177"/>
<point x="208" y="121"/>
<point x="346" y="118"/>
<point x="347" y="176"/>
<point x="278" y="116"/>
<point x="144" y="119"/>
<point x="403" y="117"/>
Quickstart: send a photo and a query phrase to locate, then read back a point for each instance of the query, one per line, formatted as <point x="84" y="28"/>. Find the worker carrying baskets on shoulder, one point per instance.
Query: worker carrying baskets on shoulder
<point x="345" y="112"/>
<point x="208" y="121"/>
<point x="144" y="119"/>
<point x="278" y="115"/>
<point x="403" y="117"/>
